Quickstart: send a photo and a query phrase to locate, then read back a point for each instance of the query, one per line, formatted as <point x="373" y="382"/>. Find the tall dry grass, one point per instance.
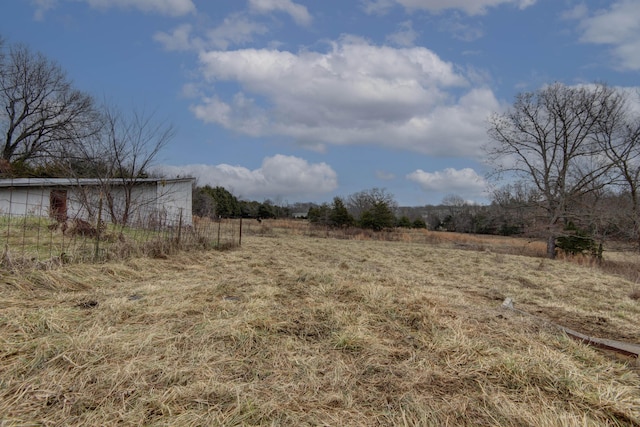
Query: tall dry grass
<point x="299" y="330"/>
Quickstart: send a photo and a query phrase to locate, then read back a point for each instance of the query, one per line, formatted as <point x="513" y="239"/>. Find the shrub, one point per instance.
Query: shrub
<point x="577" y="241"/>
<point x="404" y="222"/>
<point x="419" y="223"/>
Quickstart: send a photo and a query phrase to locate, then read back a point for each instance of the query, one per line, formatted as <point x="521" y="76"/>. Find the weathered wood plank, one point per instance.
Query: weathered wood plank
<point x="628" y="349"/>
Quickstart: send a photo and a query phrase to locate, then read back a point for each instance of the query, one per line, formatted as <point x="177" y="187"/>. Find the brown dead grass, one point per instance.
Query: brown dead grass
<point x="298" y="330"/>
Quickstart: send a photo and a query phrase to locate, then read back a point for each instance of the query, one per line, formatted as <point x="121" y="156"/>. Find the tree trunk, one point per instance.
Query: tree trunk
<point x="635" y="211"/>
<point x="551" y="246"/>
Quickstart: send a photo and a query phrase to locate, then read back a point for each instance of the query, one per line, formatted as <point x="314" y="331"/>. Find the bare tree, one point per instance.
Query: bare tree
<point x="515" y="207"/>
<point x="41" y="111"/>
<point x="455" y="206"/>
<point x="549" y="139"/>
<point x="120" y="155"/>
<point x="621" y="145"/>
<point x="362" y="201"/>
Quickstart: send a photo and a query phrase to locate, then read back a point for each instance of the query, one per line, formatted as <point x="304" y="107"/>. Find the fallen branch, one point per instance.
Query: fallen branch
<point x="628" y="349"/>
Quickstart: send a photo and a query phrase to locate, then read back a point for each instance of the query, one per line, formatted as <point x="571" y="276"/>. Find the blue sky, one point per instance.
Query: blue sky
<point x="304" y="100"/>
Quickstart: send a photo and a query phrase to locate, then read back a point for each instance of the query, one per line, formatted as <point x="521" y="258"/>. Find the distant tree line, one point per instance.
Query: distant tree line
<point x="373" y="209"/>
<point x="218" y="202"/>
<point x="513" y="211"/>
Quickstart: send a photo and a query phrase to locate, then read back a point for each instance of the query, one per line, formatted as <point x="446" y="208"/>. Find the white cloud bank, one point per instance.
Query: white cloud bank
<point x="163" y="7"/>
<point x="279" y="177"/>
<point x="237" y="29"/>
<point x="617" y="27"/>
<point x="463" y="182"/>
<point x="470" y="7"/>
<point x="298" y="13"/>
<point x="355" y="93"/>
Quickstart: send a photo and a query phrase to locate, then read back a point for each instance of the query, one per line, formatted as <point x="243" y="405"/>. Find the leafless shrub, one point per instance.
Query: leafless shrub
<point x="123" y="249"/>
<point x="51" y="263"/>
<point x="158" y="248"/>
<point x="80" y="227"/>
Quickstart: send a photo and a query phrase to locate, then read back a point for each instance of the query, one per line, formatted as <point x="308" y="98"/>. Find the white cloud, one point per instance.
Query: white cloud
<point x="470" y="7"/>
<point x="298" y="13"/>
<point x="190" y="90"/>
<point x="179" y="39"/>
<point x="236" y="29"/>
<point x="580" y="11"/>
<point x="212" y="110"/>
<point x="384" y="175"/>
<point x="279" y="176"/>
<point x="42" y="6"/>
<point x="356" y="93"/>
<point x="164" y="7"/>
<point x="461" y="30"/>
<point x="241" y="115"/>
<point x="377" y="7"/>
<point x="464" y="182"/>
<point x="405" y="36"/>
<point x="618" y="27"/>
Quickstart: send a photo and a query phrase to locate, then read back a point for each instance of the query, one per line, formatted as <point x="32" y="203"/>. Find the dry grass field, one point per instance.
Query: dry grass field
<point x="294" y="330"/>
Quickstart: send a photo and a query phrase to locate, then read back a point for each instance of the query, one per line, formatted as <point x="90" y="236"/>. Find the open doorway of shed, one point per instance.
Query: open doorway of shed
<point x="58" y="205"/>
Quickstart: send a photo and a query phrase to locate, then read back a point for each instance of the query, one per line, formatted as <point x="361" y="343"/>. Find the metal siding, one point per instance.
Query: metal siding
<point x="153" y="200"/>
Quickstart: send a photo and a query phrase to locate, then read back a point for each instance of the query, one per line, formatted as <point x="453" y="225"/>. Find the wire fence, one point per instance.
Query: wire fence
<point x="39" y="238"/>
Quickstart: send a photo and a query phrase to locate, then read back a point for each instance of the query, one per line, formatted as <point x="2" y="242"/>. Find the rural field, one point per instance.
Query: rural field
<point x="294" y="329"/>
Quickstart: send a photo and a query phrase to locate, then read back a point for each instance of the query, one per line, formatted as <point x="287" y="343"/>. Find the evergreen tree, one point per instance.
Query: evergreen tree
<point x="419" y="223"/>
<point x="404" y="222"/>
<point x="340" y="216"/>
<point x="216" y="202"/>
<point x="319" y="215"/>
<point x="378" y="217"/>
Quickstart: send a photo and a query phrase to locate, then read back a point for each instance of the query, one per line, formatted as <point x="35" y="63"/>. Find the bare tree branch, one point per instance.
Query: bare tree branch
<point x="41" y="111"/>
<point x="125" y="150"/>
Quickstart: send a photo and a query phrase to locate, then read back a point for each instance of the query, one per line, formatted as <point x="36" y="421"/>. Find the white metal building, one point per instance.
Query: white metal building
<point x="152" y="201"/>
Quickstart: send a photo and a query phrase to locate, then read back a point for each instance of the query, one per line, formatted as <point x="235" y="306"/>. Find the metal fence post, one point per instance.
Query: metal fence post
<point x="219" y="226"/>
<point x="6" y="247"/>
<point x="97" y="254"/>
<point x="179" y="228"/>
